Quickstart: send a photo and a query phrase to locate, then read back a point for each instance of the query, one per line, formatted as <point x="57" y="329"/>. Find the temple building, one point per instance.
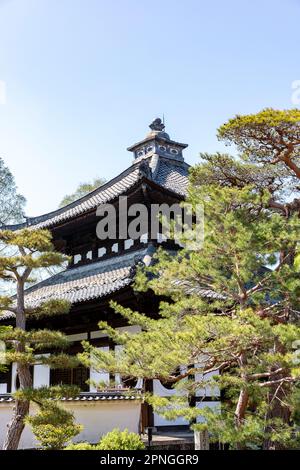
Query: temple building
<point x="101" y="271"/>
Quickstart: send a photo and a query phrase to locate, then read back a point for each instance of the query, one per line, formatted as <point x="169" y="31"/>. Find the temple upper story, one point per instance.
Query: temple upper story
<point x="100" y="267"/>
<point x="158" y="142"/>
<point x="157" y="159"/>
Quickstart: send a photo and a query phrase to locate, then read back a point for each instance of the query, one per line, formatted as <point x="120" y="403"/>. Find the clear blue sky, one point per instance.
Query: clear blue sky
<point x="84" y="78"/>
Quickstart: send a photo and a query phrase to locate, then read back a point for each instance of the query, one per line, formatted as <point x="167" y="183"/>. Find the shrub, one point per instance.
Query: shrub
<point x="121" y="440"/>
<point x="53" y="426"/>
<point x="81" y="446"/>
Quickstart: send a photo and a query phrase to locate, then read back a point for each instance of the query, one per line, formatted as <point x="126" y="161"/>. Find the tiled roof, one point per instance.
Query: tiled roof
<point x="102" y="195"/>
<point x="195" y="289"/>
<point x="86" y="397"/>
<point x="170" y="174"/>
<point x="97" y="280"/>
<point x="92" y="281"/>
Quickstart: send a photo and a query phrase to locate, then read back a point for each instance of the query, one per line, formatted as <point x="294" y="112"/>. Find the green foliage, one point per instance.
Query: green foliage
<point x="38" y="339"/>
<point x="53" y="426"/>
<point x="27" y="251"/>
<point x="297" y="262"/>
<point x="121" y="440"/>
<point x="270" y="136"/>
<point x="233" y="305"/>
<point x="268" y="119"/>
<point x="50" y="308"/>
<point x="40" y="394"/>
<point x="114" y="440"/>
<point x="30" y="251"/>
<point x="31" y="240"/>
<point x="81" y="446"/>
<point x="81" y="191"/>
<point x="295" y="405"/>
<point x="253" y="432"/>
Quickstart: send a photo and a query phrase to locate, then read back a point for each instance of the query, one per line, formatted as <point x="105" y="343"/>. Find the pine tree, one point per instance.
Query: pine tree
<point x="234" y="304"/>
<point x="32" y="250"/>
<point x="52" y="425"/>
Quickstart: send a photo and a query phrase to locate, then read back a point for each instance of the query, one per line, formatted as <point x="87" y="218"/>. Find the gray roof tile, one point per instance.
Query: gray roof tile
<point x="169" y="174"/>
<point x="88" y="396"/>
<point x="88" y="282"/>
<point x="173" y="176"/>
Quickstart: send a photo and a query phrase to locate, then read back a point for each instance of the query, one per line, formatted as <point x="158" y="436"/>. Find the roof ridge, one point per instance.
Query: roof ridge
<point x="40" y="218"/>
<point x="108" y="262"/>
<point x="148" y="168"/>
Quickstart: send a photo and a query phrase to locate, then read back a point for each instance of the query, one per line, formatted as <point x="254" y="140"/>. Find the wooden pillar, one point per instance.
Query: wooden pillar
<point x="201" y="439"/>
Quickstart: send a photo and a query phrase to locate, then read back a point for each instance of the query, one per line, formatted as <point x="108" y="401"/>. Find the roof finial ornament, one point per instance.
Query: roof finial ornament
<point x="157" y="125"/>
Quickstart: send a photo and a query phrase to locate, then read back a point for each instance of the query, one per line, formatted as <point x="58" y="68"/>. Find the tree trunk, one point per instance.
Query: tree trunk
<point x="240" y="411"/>
<point x="241" y="407"/>
<point x="16" y="425"/>
<point x="277" y="409"/>
<point x="21" y="407"/>
<point x="201" y="439"/>
<point x="276" y="401"/>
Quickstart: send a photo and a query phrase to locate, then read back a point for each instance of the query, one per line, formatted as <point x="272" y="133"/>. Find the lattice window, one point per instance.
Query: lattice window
<point x="77" y="376"/>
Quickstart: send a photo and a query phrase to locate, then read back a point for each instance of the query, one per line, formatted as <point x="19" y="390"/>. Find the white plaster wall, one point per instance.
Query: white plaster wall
<point x="118" y="350"/>
<point x="103" y="376"/>
<point x="133" y="329"/>
<point x="77" y="337"/>
<point x="208" y="390"/>
<point x="209" y="404"/>
<point x="160" y="390"/>
<point x="99" y="376"/>
<point x="122" y="329"/>
<point x="98" y="334"/>
<point x="27" y="440"/>
<point x="13" y="377"/>
<point x="41" y="376"/>
<point x="97" y="419"/>
<point x="160" y="421"/>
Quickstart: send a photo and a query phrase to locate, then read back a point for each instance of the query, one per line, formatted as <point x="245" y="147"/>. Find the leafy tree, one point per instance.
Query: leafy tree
<point x="234" y="304"/>
<point x="121" y="440"/>
<point x="81" y="446"/>
<point x="33" y="250"/>
<point x="82" y="190"/>
<point x="11" y="203"/>
<point x="114" y="440"/>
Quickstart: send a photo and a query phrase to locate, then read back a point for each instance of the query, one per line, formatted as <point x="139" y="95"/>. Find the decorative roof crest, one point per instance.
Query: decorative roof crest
<point x="157" y="125"/>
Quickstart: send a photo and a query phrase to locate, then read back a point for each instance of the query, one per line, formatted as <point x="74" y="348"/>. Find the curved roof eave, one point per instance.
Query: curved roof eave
<point x="171" y="171"/>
